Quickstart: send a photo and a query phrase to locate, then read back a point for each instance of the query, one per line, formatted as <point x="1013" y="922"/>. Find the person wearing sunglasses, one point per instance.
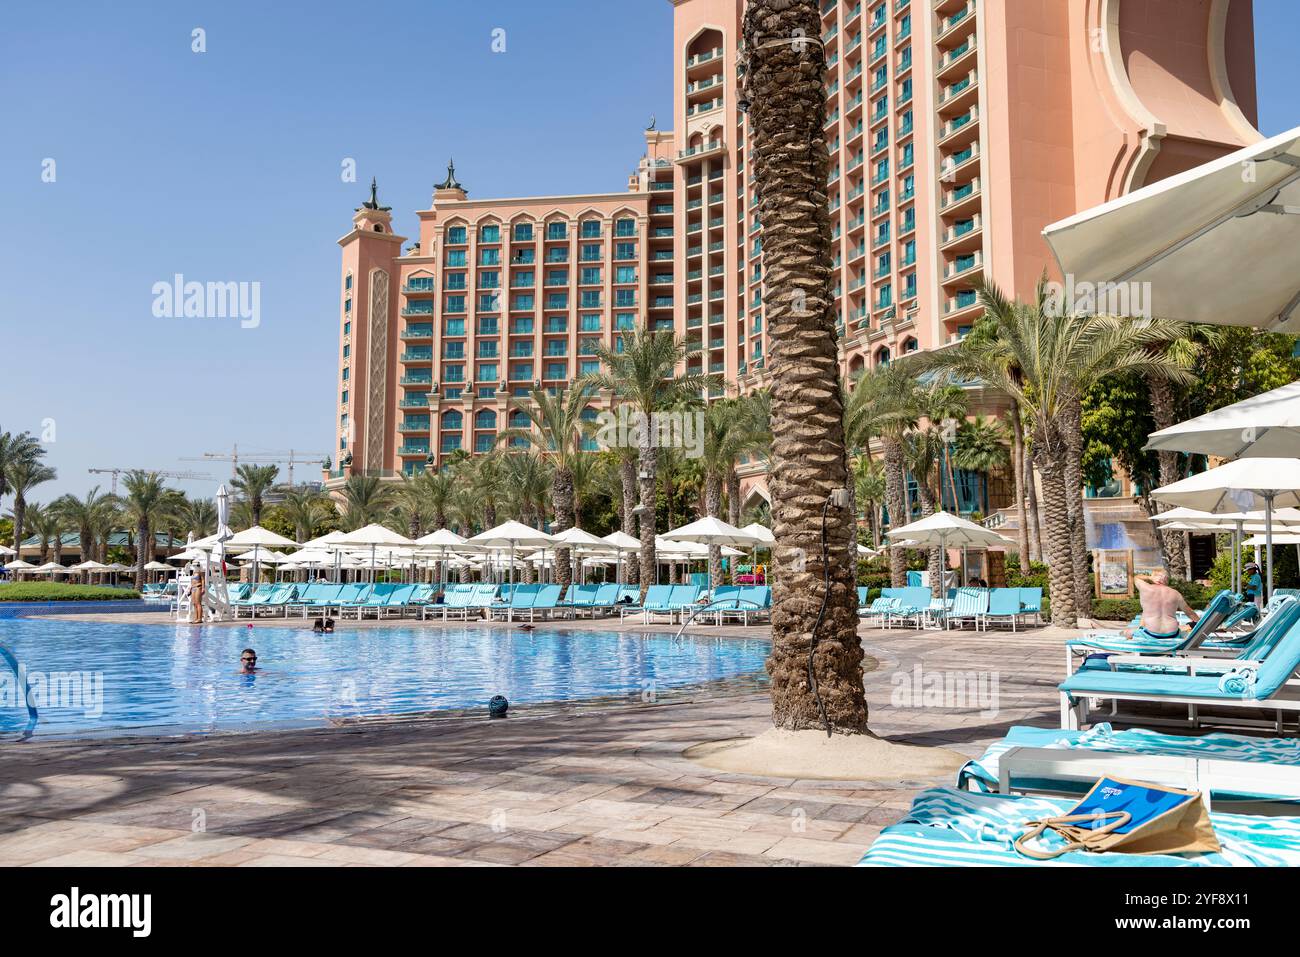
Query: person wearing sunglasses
<point x="248" y="662"/>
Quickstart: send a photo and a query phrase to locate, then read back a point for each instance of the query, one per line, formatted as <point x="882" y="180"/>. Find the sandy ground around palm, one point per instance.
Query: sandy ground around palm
<point x="812" y="755"/>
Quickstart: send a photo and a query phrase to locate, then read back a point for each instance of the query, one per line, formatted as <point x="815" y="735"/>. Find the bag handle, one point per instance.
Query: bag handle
<point x="1036" y="828"/>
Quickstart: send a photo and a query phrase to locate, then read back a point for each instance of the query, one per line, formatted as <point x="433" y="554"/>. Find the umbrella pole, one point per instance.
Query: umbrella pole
<point x="1268" y="534"/>
<point x="510" y="612"/>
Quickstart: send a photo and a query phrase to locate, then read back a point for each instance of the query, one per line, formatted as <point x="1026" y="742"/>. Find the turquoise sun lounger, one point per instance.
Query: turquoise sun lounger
<point x="1258" y="684"/>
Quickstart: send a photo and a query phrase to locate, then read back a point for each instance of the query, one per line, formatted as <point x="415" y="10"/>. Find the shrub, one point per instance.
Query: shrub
<point x="58" y="591"/>
<point x="1037" y="576"/>
<point x="1194" y="593"/>
<point x="1116" y="609"/>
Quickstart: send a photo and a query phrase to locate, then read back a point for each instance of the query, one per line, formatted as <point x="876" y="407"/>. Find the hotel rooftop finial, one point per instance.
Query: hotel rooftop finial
<point x="374" y="198"/>
<point x="450" y="181"/>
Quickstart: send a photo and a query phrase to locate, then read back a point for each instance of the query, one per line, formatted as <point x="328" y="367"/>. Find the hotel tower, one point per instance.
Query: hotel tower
<point x="957" y="130"/>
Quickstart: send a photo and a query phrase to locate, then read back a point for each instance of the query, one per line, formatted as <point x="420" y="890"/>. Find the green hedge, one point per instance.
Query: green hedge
<point x="57" y="591"/>
<point x="1116" y="609"/>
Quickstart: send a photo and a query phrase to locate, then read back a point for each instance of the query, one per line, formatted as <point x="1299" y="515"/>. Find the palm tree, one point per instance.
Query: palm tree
<point x="145" y="504"/>
<point x="13" y="450"/>
<point x="1046" y="362"/>
<point x="85" y="514"/>
<point x="1164" y="411"/>
<point x="923" y="452"/>
<point x="944" y="405"/>
<point x="488" y="476"/>
<point x="45" y="525"/>
<point x="982" y="447"/>
<point x="198" y="517"/>
<point x="727" y="436"/>
<point x="642" y="372"/>
<point x="25" y="474"/>
<point x="816" y="661"/>
<point x="557" y="431"/>
<point x="755" y="419"/>
<point x="412" y="505"/>
<point x="886" y="403"/>
<point x="304" y="509"/>
<point x="253" y="482"/>
<point x="366" y="501"/>
<point x="869" y="489"/>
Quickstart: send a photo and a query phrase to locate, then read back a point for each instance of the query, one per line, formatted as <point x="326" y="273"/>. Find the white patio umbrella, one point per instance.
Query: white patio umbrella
<point x="1264" y="426"/>
<point x="18" y="565"/>
<point x="90" y="565"/>
<point x="511" y="535"/>
<point x="1240" y="486"/>
<point x="445" y="541"/>
<point x="6" y="550"/>
<point x="583" y="543"/>
<point x="1216" y="243"/>
<point x="156" y="566"/>
<point x="257" y="538"/>
<point x="374" y="536"/>
<point x="712" y="531"/>
<point x="943" y="529"/>
<point x="51" y="568"/>
<point x="622" y="542"/>
<point x="864" y="552"/>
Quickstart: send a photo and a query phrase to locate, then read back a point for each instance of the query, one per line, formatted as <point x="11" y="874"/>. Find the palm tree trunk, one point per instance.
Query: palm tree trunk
<point x="1072" y="430"/>
<point x="934" y="558"/>
<point x="1031" y="498"/>
<point x="713" y="505"/>
<point x="1018" y="480"/>
<point x="1051" y="454"/>
<point x="627" y="472"/>
<point x="816" y="660"/>
<point x="647" y="461"/>
<point x="20" y="515"/>
<point x="58" y="547"/>
<point x="143" y="538"/>
<point x="733" y="497"/>
<point x="1162" y="411"/>
<point x="896" y="502"/>
<point x="562" y="495"/>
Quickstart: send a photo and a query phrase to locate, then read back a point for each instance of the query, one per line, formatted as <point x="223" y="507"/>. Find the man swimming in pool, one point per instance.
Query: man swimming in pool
<point x="1160" y="607"/>
<point x="248" y="662"/>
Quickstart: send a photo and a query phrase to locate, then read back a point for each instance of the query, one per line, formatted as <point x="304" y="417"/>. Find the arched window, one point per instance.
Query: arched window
<point x="485" y="419"/>
<point x="882" y="356"/>
<point x="911" y="345"/>
<point x="452" y="420"/>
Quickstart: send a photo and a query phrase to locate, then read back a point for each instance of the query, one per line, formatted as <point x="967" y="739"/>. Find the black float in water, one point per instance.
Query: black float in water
<point x="498" y="706"/>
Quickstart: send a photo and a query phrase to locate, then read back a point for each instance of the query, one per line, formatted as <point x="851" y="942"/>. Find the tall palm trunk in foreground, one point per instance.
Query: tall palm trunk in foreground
<point x="627" y="473"/>
<point x="783" y="83"/>
<point x="1162" y="411"/>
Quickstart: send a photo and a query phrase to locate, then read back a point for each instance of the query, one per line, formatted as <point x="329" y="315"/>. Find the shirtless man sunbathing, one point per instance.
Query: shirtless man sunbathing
<point x="1160" y="607"/>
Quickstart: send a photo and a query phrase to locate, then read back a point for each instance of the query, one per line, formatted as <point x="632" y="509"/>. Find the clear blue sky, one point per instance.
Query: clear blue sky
<point x="225" y="166"/>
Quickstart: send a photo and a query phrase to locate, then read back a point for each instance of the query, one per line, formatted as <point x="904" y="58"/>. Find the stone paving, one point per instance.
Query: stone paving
<point x="587" y="787"/>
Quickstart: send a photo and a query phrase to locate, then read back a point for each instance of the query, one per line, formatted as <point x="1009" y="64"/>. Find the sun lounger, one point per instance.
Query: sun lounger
<point x="1031" y="603"/>
<point x="972" y="604"/>
<point x="656" y="597"/>
<point x="946" y="827"/>
<point x="1196" y="683"/>
<point x="879" y="611"/>
<point x="1004" y="606"/>
<point x="1030" y="759"/>
<point x="754" y="600"/>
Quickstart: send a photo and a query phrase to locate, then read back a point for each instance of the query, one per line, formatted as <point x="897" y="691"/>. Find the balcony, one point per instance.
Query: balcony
<point x="417" y="332"/>
<point x="963" y="304"/>
<point x="961" y="94"/>
<point x="418" y="288"/>
<point x="702" y="58"/>
<point x="416" y="380"/>
<point x="955" y="161"/>
<point x="420" y="309"/>
<point x="413" y="450"/>
<point x="960" y="129"/>
<point x="711" y="148"/>
<point x="957" y="24"/>
<point x="963" y="233"/>
<point x="961" y="198"/>
<point x="952" y="60"/>
<point x="963" y="267"/>
<point x="417" y="355"/>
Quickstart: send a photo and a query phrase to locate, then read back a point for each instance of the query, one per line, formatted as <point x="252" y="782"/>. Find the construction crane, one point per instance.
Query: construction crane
<point x="291" y="457"/>
<point x="201" y="476"/>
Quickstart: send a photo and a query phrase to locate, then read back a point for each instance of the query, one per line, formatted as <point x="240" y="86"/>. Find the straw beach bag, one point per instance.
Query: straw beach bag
<point x="1129" y="817"/>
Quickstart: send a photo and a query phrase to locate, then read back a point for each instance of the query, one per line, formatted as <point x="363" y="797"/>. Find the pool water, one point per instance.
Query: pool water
<point x="104" y="678"/>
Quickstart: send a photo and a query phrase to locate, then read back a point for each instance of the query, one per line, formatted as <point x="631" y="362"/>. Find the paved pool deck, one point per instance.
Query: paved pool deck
<point x="586" y="787"/>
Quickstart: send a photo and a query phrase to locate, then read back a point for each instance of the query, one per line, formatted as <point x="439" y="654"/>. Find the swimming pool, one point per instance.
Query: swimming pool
<point x="106" y="678"/>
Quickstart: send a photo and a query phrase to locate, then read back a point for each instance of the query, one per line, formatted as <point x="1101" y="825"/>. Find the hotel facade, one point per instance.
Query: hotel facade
<point x="957" y="130"/>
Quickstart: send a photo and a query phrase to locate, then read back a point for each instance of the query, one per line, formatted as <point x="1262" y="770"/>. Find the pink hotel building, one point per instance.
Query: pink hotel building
<point x="957" y="130"/>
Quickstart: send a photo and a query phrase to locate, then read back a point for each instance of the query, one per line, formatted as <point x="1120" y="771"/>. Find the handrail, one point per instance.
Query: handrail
<point x="734" y="602"/>
<point x="32" y="716"/>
